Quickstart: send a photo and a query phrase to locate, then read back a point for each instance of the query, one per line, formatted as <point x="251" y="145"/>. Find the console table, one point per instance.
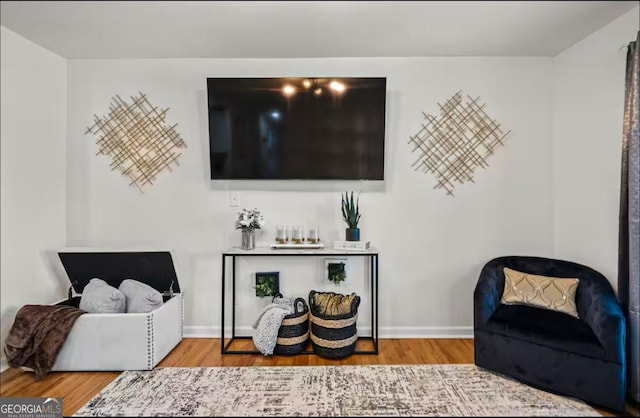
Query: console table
<point x="235" y="252"/>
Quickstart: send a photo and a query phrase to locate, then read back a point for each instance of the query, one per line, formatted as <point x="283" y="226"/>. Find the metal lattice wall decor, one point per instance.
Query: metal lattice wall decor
<point x="136" y="137"/>
<point x="453" y="145"/>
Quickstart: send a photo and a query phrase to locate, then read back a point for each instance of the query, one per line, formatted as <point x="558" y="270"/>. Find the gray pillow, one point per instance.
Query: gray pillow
<point x="99" y="297"/>
<point x="141" y="297"/>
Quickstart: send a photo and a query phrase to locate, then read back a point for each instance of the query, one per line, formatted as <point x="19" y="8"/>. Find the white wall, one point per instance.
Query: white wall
<point x="588" y="106"/>
<point x="33" y="152"/>
<point x="432" y="246"/>
<point x="552" y="191"/>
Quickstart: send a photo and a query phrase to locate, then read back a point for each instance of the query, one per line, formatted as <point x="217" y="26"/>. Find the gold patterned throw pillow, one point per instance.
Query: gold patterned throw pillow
<point x="555" y="293"/>
<point x="333" y="304"/>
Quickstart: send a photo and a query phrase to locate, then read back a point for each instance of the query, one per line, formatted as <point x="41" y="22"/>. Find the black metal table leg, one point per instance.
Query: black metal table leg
<point x="372" y="300"/>
<point x="233" y="297"/>
<point x="376" y="316"/>
<point x="224" y="275"/>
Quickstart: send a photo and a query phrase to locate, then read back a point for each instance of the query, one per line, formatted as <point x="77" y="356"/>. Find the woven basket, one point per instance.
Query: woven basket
<point x="294" y="330"/>
<point x="333" y="336"/>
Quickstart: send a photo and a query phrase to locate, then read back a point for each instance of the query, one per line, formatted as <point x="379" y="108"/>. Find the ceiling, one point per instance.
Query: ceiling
<point x="302" y="29"/>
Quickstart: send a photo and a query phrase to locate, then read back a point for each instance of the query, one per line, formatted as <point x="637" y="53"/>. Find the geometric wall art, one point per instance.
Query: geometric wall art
<point x="453" y="145"/>
<point x="137" y="139"/>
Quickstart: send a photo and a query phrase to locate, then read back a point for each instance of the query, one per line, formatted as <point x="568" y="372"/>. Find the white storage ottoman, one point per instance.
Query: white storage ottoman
<point x="126" y="341"/>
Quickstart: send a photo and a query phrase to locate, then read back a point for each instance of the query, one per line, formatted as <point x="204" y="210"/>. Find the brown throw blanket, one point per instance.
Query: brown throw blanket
<point x="37" y="335"/>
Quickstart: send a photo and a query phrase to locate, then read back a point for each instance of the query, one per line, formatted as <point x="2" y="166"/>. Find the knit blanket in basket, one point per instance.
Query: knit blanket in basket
<point x="268" y="324"/>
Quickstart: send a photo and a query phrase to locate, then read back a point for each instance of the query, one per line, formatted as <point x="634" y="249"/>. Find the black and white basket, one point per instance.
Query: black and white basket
<point x="294" y="330"/>
<point x="333" y="336"/>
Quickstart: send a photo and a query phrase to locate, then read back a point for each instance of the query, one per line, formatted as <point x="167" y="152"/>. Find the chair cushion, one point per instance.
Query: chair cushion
<point x="546" y="327"/>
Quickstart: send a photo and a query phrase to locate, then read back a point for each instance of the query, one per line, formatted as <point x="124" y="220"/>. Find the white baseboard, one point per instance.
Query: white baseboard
<point x="201" y="331"/>
<point x="197" y="331"/>
<point x="426" y="332"/>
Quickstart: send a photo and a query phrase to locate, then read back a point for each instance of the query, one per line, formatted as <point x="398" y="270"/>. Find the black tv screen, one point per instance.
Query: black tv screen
<point x="329" y="128"/>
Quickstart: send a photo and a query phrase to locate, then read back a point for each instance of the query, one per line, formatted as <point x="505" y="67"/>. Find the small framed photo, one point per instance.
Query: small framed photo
<point x="267" y="284"/>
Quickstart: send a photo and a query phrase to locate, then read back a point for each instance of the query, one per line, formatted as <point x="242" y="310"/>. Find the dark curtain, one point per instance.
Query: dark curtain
<point x="629" y="235"/>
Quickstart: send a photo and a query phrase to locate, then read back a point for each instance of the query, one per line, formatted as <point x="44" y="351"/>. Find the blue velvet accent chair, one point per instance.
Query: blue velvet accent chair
<point x="582" y="358"/>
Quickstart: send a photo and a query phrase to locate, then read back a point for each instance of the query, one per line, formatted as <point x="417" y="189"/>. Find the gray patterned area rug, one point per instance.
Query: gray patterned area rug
<point x="327" y="391"/>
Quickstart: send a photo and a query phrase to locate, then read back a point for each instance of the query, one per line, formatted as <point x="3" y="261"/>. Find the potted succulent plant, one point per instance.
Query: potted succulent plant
<point x="351" y="215"/>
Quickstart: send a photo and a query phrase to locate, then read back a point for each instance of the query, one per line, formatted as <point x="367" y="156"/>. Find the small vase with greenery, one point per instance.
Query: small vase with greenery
<point x="351" y="215"/>
<point x="248" y="221"/>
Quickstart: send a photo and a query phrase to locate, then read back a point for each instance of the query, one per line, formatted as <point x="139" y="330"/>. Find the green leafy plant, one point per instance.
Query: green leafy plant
<point x="336" y="272"/>
<point x="267" y="284"/>
<point x="350" y="211"/>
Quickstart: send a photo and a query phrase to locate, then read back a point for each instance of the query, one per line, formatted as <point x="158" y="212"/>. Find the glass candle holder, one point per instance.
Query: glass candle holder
<point x="288" y="231"/>
<point x="281" y="234"/>
<point x="314" y="235"/>
<point x="297" y="235"/>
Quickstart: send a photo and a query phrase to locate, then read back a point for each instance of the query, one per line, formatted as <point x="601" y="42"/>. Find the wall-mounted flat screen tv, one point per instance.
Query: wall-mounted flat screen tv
<point x="328" y="128"/>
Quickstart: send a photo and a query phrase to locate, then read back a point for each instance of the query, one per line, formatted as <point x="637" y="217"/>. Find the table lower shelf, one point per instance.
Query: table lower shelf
<point x="244" y="345"/>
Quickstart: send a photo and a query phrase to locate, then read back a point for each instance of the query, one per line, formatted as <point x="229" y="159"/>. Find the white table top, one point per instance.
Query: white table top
<point x="281" y="251"/>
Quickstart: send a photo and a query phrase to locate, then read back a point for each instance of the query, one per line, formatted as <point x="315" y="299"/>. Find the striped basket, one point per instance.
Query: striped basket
<point x="294" y="330"/>
<point x="333" y="336"/>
